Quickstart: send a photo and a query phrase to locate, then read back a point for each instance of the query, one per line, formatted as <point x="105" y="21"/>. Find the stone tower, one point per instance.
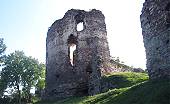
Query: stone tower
<point x="78" y="72"/>
<point x="155" y="23"/>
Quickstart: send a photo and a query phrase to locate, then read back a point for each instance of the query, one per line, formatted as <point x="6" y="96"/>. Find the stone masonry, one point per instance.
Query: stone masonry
<point x="81" y="75"/>
<point x="155" y="23"/>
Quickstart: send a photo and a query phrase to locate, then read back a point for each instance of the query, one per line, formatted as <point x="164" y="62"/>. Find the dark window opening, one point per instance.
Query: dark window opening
<point x="89" y="69"/>
<point x="72" y="41"/>
<point x="167" y="42"/>
<point x="168" y="17"/>
<point x="167" y="7"/>
<point x="157" y="48"/>
<point x="168" y="25"/>
<point x="57" y="76"/>
<point x="46" y="54"/>
<point x="83" y="89"/>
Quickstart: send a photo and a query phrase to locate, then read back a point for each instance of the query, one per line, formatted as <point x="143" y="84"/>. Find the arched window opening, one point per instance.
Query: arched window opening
<point x="80" y="26"/>
<point x="72" y="41"/>
<point x="79" y="19"/>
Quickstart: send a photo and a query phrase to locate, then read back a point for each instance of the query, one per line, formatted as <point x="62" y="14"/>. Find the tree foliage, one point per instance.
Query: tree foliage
<point x="2" y="56"/>
<point x="2" y="49"/>
<point x="21" y="73"/>
<point x="41" y="81"/>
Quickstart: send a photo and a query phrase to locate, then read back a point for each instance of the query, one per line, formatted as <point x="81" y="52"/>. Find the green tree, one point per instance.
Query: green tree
<point x="2" y="56"/>
<point x="2" y="50"/>
<point x="41" y="81"/>
<point x="21" y="73"/>
<point x="3" y="86"/>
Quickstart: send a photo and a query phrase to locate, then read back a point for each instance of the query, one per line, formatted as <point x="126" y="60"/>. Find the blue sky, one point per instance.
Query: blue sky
<point x="24" y="24"/>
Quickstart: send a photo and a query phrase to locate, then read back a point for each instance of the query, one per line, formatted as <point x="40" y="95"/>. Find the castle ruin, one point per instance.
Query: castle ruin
<point x="155" y="23"/>
<point x="78" y="72"/>
<point x="76" y="59"/>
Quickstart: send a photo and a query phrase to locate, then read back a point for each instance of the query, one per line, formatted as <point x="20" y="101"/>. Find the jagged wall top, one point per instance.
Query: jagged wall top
<point x="70" y="16"/>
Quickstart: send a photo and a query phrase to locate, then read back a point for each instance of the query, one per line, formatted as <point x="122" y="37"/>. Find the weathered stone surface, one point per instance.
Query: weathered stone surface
<point x="90" y="57"/>
<point x="155" y="23"/>
<point x="138" y="70"/>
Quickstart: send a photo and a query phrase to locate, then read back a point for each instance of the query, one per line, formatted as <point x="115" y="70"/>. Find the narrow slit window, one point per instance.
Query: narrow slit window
<point x="72" y="41"/>
<point x="72" y="49"/>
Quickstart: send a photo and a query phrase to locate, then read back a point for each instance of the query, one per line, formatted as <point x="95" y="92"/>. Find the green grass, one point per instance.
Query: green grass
<point x="125" y="79"/>
<point x="132" y="88"/>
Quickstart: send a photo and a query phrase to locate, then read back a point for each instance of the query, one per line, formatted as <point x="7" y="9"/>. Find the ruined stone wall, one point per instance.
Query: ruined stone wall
<point x="155" y="23"/>
<point x="90" y="57"/>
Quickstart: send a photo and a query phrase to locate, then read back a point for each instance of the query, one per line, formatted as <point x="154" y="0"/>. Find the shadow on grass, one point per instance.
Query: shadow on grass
<point x="151" y="92"/>
<point x="122" y="80"/>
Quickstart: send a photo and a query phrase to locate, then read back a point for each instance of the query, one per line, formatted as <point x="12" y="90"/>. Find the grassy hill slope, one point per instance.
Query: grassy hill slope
<point x="131" y="88"/>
